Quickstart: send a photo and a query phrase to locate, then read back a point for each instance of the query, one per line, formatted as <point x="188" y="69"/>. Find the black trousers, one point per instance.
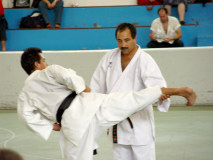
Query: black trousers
<point x="155" y="44"/>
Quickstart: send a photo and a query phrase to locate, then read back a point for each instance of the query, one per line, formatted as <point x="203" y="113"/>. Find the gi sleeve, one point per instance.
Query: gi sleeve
<point x="68" y="78"/>
<point x="32" y="117"/>
<point x="152" y="76"/>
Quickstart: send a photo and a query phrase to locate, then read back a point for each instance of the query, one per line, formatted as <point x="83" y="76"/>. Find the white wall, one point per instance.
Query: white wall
<point x="79" y="3"/>
<point x="180" y="67"/>
<point x="101" y="2"/>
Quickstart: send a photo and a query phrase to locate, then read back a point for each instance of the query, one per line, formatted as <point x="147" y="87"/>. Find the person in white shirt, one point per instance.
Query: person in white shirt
<point x="166" y="31"/>
<point x="56" y="98"/>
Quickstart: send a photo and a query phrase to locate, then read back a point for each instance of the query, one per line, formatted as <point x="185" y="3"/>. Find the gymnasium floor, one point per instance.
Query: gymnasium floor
<point x="184" y="133"/>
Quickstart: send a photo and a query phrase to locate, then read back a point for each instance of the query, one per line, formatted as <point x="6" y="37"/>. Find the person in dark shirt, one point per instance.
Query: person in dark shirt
<point x="3" y="27"/>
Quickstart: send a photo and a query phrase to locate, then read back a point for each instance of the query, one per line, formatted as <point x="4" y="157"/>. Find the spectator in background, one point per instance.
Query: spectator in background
<point x="166" y="31"/>
<point x="181" y="6"/>
<point x="3" y="27"/>
<point x="57" y="6"/>
<point x="6" y="154"/>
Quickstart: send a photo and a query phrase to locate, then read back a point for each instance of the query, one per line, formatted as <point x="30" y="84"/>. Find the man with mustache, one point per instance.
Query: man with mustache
<point x="128" y="68"/>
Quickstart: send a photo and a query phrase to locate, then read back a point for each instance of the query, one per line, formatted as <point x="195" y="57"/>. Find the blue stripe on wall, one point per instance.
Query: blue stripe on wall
<point x="77" y="39"/>
<point x="85" y="17"/>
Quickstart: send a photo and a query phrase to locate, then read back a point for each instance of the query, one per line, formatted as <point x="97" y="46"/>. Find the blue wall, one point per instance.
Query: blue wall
<point x="78" y="32"/>
<point x="77" y="39"/>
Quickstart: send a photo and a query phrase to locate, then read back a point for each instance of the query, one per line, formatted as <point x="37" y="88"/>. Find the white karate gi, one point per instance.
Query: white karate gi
<point x="88" y="115"/>
<point x="142" y="72"/>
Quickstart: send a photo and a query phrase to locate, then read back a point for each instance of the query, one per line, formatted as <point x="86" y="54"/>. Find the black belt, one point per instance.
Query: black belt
<point x="114" y="131"/>
<point x="64" y="105"/>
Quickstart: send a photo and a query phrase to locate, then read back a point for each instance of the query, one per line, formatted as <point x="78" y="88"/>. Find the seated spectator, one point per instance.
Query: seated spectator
<point x="166" y="31"/>
<point x="57" y="6"/>
<point x="6" y="154"/>
<point x="3" y="27"/>
<point x="181" y="6"/>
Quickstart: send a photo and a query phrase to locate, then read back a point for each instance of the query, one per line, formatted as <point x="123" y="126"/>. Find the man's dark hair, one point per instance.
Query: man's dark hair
<point x="121" y="27"/>
<point x="29" y="57"/>
<point x="163" y="9"/>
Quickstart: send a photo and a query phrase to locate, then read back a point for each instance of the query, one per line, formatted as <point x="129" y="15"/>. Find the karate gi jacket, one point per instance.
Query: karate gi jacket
<point x="43" y="92"/>
<point x="142" y="72"/>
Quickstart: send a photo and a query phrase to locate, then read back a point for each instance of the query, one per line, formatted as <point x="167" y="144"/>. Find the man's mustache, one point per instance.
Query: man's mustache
<point x="124" y="48"/>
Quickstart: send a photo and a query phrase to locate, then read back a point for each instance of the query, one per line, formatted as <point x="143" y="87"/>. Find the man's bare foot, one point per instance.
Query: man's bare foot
<point x="189" y="94"/>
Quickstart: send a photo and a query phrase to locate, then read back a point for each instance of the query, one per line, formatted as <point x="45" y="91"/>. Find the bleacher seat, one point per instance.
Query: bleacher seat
<point x="78" y="32"/>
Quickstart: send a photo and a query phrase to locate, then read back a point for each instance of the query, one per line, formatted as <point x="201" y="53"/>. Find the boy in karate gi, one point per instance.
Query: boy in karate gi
<point x="88" y="115"/>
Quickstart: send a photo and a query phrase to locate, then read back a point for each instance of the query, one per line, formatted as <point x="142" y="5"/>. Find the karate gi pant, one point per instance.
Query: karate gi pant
<point x="134" y="152"/>
<point x="115" y="108"/>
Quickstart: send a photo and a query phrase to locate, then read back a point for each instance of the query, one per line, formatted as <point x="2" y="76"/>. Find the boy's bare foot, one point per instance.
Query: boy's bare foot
<point x="186" y="92"/>
<point x="189" y="94"/>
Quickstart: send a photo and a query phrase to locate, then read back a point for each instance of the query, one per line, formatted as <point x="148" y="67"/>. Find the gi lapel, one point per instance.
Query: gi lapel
<point x="117" y="86"/>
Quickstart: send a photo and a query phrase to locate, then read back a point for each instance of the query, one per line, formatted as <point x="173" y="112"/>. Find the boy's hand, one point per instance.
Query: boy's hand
<point x="56" y="127"/>
<point x="163" y="97"/>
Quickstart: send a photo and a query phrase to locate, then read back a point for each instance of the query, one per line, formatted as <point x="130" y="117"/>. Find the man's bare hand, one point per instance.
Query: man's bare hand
<point x="167" y="39"/>
<point x="54" y="3"/>
<point x="152" y="37"/>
